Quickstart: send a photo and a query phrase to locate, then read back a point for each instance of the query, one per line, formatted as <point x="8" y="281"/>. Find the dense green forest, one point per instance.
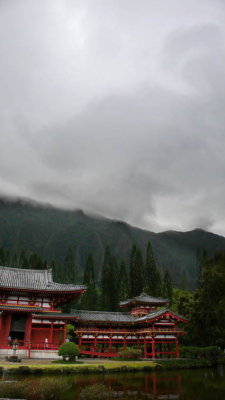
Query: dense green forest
<point x="50" y="232"/>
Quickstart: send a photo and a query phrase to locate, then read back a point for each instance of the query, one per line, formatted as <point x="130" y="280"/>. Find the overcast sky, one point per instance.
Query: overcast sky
<point x="116" y="107"/>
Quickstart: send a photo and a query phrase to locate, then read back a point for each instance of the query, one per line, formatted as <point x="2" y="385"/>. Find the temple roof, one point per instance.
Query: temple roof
<point x="144" y="299"/>
<point x="103" y="316"/>
<point x="107" y="316"/>
<point x="33" y="279"/>
<point x="58" y="315"/>
<point x="15" y="307"/>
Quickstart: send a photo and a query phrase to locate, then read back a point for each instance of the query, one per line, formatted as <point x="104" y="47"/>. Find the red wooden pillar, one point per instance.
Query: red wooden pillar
<point x="64" y="333"/>
<point x="28" y="334"/>
<point x="51" y="334"/>
<point x="95" y="344"/>
<point x="168" y="350"/>
<point x="138" y="343"/>
<point x="110" y="343"/>
<point x="145" y="347"/>
<point x="153" y="348"/>
<point x="177" y="348"/>
<point x="124" y="343"/>
<point x="80" y="342"/>
<point x="7" y="327"/>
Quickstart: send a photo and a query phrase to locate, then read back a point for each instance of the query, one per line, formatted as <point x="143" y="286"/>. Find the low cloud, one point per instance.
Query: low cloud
<point x="122" y="115"/>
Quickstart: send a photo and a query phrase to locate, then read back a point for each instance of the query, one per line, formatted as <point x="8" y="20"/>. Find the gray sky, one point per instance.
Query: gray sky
<point x="116" y="107"/>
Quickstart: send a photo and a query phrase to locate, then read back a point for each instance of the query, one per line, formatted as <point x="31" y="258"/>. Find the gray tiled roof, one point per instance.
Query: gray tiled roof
<point x="53" y="314"/>
<point x="19" y="308"/>
<point x="33" y="279"/>
<point x="103" y="316"/>
<point x="144" y="298"/>
<point x="153" y="314"/>
<point x="107" y="316"/>
<point x="158" y="313"/>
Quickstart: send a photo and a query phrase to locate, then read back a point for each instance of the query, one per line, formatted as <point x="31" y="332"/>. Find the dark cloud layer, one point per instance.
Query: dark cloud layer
<point x="116" y="108"/>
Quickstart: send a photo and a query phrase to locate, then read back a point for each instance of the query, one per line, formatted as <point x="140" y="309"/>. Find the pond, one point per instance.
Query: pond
<point x="199" y="384"/>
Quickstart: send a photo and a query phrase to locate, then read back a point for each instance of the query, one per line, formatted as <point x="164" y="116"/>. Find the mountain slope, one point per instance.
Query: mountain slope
<point x="50" y="231"/>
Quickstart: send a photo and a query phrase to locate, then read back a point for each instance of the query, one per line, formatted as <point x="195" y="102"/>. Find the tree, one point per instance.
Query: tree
<point x="108" y="294"/>
<point x="69" y="351"/>
<point x="69" y="266"/>
<point x="89" y="298"/>
<point x="23" y="261"/>
<point x="167" y="285"/>
<point x="53" y="267"/>
<point x="132" y="271"/>
<point x="207" y="315"/>
<point x="15" y="260"/>
<point x="7" y="258"/>
<point x="122" y="285"/>
<point x="114" y="279"/>
<point x="152" y="274"/>
<point x="2" y="256"/>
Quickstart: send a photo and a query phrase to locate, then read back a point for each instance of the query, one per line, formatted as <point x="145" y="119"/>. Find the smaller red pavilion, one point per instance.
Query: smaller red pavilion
<point x="149" y="325"/>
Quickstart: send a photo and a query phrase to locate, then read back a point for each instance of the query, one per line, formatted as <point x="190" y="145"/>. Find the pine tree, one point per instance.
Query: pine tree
<point x="132" y="271"/>
<point x="7" y="258"/>
<point x="69" y="266"/>
<point x="89" y="298"/>
<point x="114" y="278"/>
<point x="107" y="285"/>
<point x="139" y="274"/>
<point x="122" y="285"/>
<point x="52" y="265"/>
<point x="152" y="274"/>
<point x="60" y="275"/>
<point x="23" y="261"/>
<point x="15" y="260"/>
<point x="167" y="285"/>
<point x="2" y="256"/>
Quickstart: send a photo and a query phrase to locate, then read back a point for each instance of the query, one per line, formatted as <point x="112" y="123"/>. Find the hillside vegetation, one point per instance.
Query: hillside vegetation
<point x="49" y="232"/>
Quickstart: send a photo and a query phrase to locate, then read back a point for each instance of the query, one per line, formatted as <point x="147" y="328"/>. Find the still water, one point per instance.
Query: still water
<point x="199" y="384"/>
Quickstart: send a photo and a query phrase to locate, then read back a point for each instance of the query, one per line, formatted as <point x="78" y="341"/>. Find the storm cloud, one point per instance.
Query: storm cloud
<point x="116" y="108"/>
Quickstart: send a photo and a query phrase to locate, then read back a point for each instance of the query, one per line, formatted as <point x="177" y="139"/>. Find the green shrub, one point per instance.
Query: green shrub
<point x="98" y="391"/>
<point x="129" y="354"/>
<point x="69" y="351"/>
<point x="192" y="352"/>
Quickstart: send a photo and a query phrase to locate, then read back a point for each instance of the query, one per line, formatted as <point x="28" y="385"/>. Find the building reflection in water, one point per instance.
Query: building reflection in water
<point x="150" y="386"/>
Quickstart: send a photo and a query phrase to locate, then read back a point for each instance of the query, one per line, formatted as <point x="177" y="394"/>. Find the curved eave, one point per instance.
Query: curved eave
<point x="16" y="289"/>
<point x="57" y="316"/>
<point x="106" y="322"/>
<point x="167" y="312"/>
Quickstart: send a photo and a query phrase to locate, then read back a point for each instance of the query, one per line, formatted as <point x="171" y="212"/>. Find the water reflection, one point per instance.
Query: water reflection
<point x="161" y="385"/>
<point x="138" y="386"/>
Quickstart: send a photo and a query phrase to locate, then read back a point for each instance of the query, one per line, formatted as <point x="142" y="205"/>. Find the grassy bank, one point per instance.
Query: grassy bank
<point x="103" y="367"/>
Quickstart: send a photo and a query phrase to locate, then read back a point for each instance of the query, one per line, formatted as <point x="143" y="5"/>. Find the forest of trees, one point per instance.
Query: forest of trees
<point x="204" y="308"/>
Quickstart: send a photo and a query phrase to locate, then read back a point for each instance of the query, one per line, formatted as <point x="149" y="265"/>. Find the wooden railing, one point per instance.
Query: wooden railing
<point x="119" y="332"/>
<point x="24" y="344"/>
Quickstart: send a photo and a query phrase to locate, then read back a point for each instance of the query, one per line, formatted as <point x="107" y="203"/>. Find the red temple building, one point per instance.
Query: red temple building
<point x="30" y="314"/>
<point x="149" y="326"/>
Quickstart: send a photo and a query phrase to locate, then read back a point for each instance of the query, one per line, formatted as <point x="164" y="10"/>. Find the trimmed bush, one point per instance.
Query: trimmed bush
<point x="129" y="354"/>
<point x="69" y="351"/>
